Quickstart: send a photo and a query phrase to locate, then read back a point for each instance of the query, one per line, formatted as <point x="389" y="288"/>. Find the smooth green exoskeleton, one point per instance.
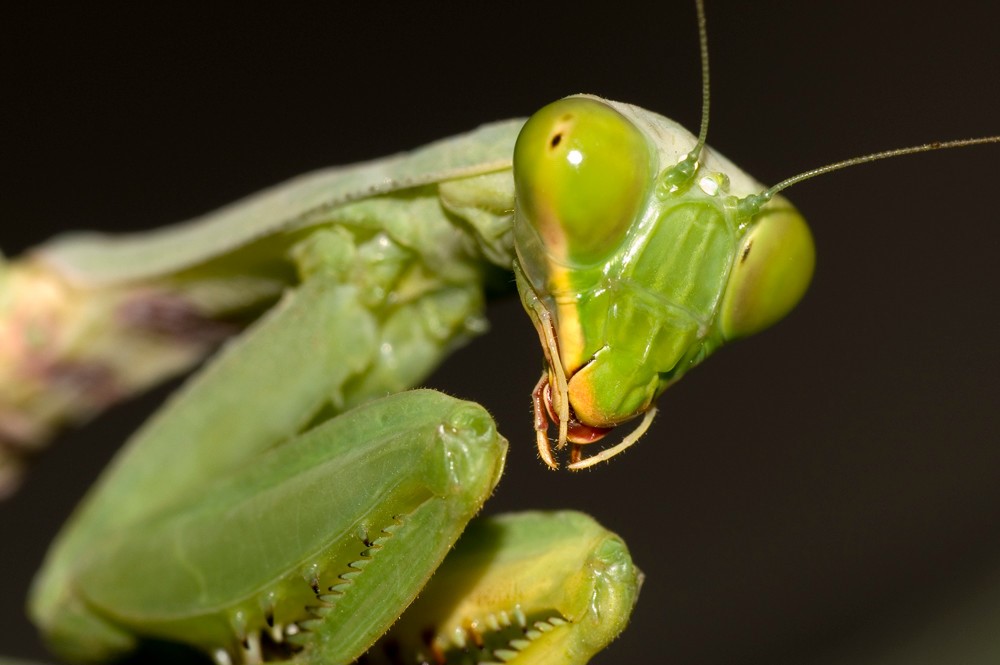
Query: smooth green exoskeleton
<point x="348" y="519"/>
<point x="690" y="257"/>
<point x="545" y="588"/>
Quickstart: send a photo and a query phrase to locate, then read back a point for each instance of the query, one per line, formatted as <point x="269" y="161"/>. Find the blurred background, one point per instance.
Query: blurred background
<point x="815" y="493"/>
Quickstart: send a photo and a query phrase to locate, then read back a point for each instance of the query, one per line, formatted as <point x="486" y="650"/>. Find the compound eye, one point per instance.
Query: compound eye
<point x="581" y="170"/>
<point x="771" y="273"/>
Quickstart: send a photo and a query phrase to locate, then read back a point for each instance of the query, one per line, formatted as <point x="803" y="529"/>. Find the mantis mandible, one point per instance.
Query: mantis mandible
<point x="777" y="172"/>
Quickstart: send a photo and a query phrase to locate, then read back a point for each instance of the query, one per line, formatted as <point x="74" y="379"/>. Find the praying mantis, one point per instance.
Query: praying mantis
<point x="748" y="445"/>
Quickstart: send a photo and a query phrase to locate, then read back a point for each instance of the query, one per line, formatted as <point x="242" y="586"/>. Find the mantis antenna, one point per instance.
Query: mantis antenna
<point x="751" y="204"/>
<point x="705" y="87"/>
<point x="760" y="199"/>
<point x="675" y="176"/>
<point x="755" y="201"/>
<point x="876" y="156"/>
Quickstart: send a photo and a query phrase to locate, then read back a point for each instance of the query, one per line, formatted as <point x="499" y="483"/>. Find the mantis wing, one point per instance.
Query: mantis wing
<point x="90" y="319"/>
<point x="98" y="259"/>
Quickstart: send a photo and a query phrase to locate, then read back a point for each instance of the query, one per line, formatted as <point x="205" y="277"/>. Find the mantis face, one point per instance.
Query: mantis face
<point x="639" y="254"/>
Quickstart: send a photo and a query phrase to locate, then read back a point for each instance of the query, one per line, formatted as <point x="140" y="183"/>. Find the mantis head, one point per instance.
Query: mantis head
<point x="638" y="254"/>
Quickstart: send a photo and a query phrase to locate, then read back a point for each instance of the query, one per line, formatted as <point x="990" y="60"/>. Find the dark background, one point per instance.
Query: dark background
<point x="800" y="488"/>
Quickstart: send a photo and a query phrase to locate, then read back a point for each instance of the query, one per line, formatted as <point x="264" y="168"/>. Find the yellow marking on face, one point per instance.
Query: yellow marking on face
<point x="569" y="331"/>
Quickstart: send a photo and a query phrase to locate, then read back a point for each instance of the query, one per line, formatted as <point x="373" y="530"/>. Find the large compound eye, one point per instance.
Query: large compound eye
<point x="581" y="170"/>
<point x="771" y="273"/>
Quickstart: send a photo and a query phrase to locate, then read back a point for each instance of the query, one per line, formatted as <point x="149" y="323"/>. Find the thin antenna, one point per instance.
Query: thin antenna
<point x="874" y="157"/>
<point x="703" y="46"/>
<point x="751" y="204"/>
<point x="680" y="174"/>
